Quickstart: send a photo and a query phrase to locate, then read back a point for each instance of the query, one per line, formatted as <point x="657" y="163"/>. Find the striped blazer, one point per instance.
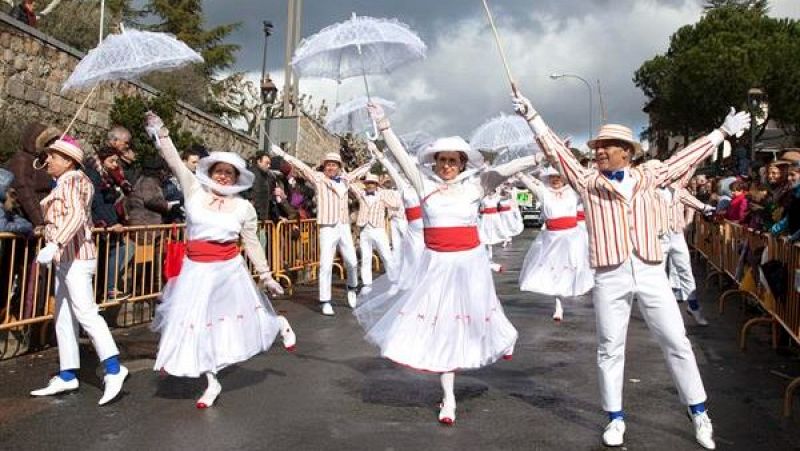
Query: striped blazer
<point x="618" y="225"/>
<point x="332" y="196"/>
<point x="372" y="212"/>
<point x="68" y="218"/>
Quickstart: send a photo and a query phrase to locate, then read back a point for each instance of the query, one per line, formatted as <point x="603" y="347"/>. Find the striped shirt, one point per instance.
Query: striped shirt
<point x="331" y="195"/>
<point x="620" y="224"/>
<point x="68" y="218"/>
<point x="676" y="201"/>
<point x="372" y="209"/>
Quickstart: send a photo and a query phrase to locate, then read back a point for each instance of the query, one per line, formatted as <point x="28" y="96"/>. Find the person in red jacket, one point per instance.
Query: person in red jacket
<point x="737" y="209"/>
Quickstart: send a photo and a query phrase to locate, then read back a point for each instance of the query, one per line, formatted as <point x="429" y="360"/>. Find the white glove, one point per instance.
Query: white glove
<point x="153" y="125"/>
<point x="47" y="253"/>
<point x="270" y="285"/>
<point x="523" y="106"/>
<point x="377" y="114"/>
<point x="736" y="123"/>
<point x="709" y="210"/>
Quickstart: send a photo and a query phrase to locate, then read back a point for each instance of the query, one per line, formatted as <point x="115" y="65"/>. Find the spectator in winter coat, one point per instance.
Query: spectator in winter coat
<point x="11" y="221"/>
<point x="147" y="205"/>
<point x="24" y="12"/>
<point x="790" y="222"/>
<point x="737" y="210"/>
<point x="268" y="196"/>
<point x="32" y="185"/>
<point x="119" y="139"/>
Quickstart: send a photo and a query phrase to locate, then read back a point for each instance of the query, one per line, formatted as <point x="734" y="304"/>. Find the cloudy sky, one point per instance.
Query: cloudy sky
<point x="461" y="83"/>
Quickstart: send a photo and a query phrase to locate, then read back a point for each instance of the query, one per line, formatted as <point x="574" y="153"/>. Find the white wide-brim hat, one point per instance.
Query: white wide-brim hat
<point x="548" y="171"/>
<point x="451" y="144"/>
<point x="243" y="182"/>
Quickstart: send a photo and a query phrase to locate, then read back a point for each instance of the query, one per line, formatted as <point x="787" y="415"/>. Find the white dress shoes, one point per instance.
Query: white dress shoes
<point x="113" y="385"/>
<point x="614" y="433"/>
<point x="56" y="386"/>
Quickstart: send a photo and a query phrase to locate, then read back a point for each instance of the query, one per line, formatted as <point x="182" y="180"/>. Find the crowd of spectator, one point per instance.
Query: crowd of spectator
<point x="766" y="199"/>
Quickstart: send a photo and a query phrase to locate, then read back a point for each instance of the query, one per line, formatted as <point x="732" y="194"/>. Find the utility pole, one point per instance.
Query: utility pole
<point x="293" y="33"/>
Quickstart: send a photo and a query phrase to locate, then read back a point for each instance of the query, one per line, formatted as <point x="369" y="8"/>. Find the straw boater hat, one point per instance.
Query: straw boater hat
<point x="371" y="178"/>
<point x="69" y="147"/>
<point x="243" y="182"/>
<point x="616" y="132"/>
<point x="332" y="156"/>
<point x="451" y="144"/>
<point x="547" y="172"/>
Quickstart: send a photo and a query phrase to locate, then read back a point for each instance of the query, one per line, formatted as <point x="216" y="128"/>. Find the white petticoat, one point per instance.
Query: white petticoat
<point x="211" y="316"/>
<point x="491" y="229"/>
<point x="449" y="319"/>
<point x="512" y="222"/>
<point x="557" y="264"/>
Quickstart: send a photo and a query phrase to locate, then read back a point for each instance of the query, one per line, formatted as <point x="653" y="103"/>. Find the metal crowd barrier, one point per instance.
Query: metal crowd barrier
<point x="730" y="249"/>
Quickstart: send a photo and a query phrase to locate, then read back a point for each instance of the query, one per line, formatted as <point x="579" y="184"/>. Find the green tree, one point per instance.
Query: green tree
<point x="710" y="66"/>
<point x="129" y="111"/>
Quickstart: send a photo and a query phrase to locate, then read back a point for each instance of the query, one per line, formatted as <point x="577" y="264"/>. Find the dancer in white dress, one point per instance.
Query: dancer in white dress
<point x="557" y="264"/>
<point x="213" y="315"/>
<point x="509" y="213"/>
<point x="490" y="226"/>
<point x="451" y="319"/>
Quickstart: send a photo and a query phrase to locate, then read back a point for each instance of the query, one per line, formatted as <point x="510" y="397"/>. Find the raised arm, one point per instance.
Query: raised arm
<point x="360" y="171"/>
<point x="532" y="183"/>
<point x="552" y="145"/>
<point x="391" y="169"/>
<point x="407" y="164"/>
<point x="308" y="173"/>
<point x="494" y="177"/>
<point x="357" y="190"/>
<point x="160" y="134"/>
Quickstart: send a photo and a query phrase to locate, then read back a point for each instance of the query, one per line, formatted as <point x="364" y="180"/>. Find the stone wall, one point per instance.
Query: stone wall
<point x="33" y="67"/>
<point x="313" y="141"/>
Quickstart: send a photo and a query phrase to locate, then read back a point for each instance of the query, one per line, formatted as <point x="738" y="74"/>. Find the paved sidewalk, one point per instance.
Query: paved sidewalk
<point x="334" y="393"/>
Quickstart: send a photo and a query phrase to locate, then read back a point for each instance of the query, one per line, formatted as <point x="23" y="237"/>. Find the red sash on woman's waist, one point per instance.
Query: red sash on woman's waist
<point x="503" y="208"/>
<point x="488" y="211"/>
<point x="414" y="213"/>
<point x="211" y="251"/>
<point x="563" y="223"/>
<point x="581" y="216"/>
<point x="451" y="239"/>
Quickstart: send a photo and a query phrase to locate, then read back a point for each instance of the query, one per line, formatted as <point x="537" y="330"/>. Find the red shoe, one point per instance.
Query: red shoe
<point x="447" y="414"/>
<point x="508" y="357"/>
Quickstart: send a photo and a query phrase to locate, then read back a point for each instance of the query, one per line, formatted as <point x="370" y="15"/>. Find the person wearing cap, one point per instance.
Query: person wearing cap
<point x="372" y="205"/>
<point x="450" y="319"/>
<point x="212" y="315"/>
<point x="333" y="217"/>
<point x="557" y="263"/>
<point x="626" y="253"/>
<point x="70" y="246"/>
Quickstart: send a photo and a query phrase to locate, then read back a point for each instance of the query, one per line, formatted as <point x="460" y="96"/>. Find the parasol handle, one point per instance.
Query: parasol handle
<point x="500" y="47"/>
<point x="80" y="108"/>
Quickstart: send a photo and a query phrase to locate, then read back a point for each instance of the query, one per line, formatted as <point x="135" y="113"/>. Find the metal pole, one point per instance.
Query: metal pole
<point x="591" y="102"/>
<point x="267" y="32"/>
<point x="102" y="20"/>
<point x="287" y="70"/>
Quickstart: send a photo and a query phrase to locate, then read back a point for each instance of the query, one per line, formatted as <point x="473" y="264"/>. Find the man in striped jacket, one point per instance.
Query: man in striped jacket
<point x="333" y="218"/>
<point x="372" y="206"/>
<point x="68" y="233"/>
<point x="625" y="249"/>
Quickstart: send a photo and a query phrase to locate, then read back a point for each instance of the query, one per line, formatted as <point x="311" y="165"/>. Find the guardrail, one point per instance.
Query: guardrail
<point x="737" y="253"/>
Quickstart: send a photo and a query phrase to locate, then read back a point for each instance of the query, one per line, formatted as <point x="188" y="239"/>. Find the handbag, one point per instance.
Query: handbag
<point x="174" y="252"/>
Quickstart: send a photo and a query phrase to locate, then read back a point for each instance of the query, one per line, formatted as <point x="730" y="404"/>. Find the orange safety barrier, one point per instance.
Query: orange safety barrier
<point x="723" y="246"/>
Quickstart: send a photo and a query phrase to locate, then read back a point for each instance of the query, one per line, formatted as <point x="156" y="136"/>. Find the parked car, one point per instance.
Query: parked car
<point x="530" y="208"/>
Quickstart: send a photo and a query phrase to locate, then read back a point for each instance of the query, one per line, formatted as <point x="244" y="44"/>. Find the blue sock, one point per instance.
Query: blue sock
<point x="67" y="375"/>
<point x="698" y="408"/>
<point x="112" y="364"/>
<point x="693" y="304"/>
<point x="618" y="415"/>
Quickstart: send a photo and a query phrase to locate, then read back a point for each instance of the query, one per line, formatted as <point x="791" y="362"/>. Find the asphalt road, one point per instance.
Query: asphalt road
<point x="334" y="393"/>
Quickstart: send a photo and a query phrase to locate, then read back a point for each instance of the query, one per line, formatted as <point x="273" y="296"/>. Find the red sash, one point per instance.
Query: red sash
<point x="503" y="208"/>
<point x="211" y="251"/>
<point x="581" y="216"/>
<point x="489" y="211"/>
<point x="414" y="213"/>
<point x="563" y="223"/>
<point x="451" y="239"/>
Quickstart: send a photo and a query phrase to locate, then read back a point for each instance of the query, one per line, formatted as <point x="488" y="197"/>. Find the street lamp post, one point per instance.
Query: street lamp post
<point x="755" y="98"/>
<point x="556" y="76"/>
<point x="269" y="91"/>
<point x="264" y="77"/>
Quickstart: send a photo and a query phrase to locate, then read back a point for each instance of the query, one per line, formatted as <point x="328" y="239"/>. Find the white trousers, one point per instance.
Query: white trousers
<point x="613" y="295"/>
<point x="75" y="306"/>
<point x="375" y="238"/>
<point x="329" y="238"/>
<point x="399" y="230"/>
<point x="680" y="266"/>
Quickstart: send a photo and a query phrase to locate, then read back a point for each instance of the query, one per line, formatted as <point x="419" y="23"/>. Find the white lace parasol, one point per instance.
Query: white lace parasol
<point x="504" y="133"/>
<point x="353" y="117"/>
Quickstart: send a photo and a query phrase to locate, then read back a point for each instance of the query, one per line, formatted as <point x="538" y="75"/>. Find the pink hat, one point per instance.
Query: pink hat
<point x="68" y="146"/>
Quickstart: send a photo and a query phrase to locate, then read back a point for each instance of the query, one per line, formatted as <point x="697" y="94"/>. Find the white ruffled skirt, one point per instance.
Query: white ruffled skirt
<point x="449" y="319"/>
<point x="211" y="316"/>
<point x="557" y="264"/>
<point x="491" y="229"/>
<point x="512" y="222"/>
